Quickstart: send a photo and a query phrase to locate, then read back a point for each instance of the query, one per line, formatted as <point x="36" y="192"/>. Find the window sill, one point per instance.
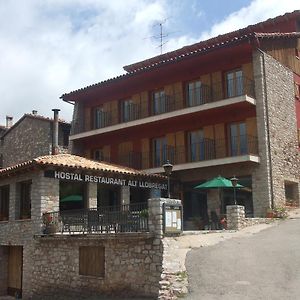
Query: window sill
<point x="4" y="221"/>
<point x="23" y="220"/>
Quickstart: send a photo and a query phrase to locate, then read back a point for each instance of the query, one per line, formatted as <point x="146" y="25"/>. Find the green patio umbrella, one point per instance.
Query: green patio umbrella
<point x="72" y="198"/>
<point x="217" y="182"/>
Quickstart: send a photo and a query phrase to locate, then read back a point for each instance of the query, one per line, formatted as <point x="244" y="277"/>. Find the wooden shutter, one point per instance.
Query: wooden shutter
<point x="220" y="143"/>
<point x="92" y="261"/>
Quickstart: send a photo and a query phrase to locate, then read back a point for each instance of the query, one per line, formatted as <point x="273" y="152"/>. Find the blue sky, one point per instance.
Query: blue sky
<point x="55" y="46"/>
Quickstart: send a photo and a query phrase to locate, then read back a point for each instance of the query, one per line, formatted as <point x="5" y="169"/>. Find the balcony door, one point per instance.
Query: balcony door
<point x="129" y="111"/>
<point x="159" y="102"/>
<point x="238" y="139"/>
<point x="159" y="151"/>
<point x="196" y="145"/>
<point x="193" y="93"/>
<point x="101" y="118"/>
<point x="234" y="83"/>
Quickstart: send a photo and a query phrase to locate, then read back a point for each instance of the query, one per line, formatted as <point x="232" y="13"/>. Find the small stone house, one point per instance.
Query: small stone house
<point x="31" y="136"/>
<point x="46" y="251"/>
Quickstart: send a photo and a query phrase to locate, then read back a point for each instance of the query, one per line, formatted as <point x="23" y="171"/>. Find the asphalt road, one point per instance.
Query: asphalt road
<point x="265" y="266"/>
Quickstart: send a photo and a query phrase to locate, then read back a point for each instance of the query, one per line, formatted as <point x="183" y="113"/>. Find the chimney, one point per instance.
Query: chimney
<point x="55" y="132"/>
<point x="34" y="112"/>
<point x="9" y="121"/>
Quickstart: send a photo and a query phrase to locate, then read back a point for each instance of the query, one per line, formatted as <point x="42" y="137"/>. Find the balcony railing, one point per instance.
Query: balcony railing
<point x="207" y="149"/>
<point x="109" y="219"/>
<point x="172" y="102"/>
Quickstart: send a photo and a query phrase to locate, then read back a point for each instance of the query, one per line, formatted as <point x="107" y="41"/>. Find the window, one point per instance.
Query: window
<point x="98" y="155"/>
<point x="234" y="83"/>
<point x="4" y="203"/>
<point x="101" y="118"/>
<point x="238" y="139"/>
<point x="129" y="111"/>
<point x="196" y="144"/>
<point x="194" y="93"/>
<point x="72" y="195"/>
<point x="159" y="150"/>
<point x="159" y="102"/>
<point x="25" y="199"/>
<point x="92" y="261"/>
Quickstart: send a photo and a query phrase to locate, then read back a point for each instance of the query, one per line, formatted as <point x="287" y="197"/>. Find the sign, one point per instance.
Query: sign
<point x="104" y="180"/>
<point x="172" y="218"/>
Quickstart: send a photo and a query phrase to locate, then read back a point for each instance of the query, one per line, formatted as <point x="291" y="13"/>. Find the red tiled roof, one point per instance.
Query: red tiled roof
<point x="195" y="49"/>
<point x="277" y="34"/>
<point x="75" y="162"/>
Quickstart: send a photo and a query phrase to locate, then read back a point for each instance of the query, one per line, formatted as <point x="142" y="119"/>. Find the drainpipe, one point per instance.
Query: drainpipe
<point x="268" y="129"/>
<point x="55" y="132"/>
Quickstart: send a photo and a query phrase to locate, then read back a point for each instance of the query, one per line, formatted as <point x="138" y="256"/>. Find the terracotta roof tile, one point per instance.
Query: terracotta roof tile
<point x="77" y="162"/>
<point x="277" y="34"/>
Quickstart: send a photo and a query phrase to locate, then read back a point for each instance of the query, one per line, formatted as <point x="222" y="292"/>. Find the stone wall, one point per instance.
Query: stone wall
<point x="133" y="261"/>
<point x="3" y="270"/>
<point x="31" y="138"/>
<point x="235" y="217"/>
<point x="277" y="132"/>
<point x="132" y="267"/>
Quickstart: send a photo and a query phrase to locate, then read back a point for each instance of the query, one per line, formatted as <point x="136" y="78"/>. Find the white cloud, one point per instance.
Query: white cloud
<point x="51" y="47"/>
<point x="56" y="46"/>
<point x="257" y="11"/>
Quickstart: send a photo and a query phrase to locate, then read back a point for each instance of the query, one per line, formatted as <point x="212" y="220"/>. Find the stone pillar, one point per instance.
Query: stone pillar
<point x="4" y="270"/>
<point x="235" y="217"/>
<point x="92" y="195"/>
<point x="125" y="195"/>
<point x="213" y="201"/>
<point x="155" y="207"/>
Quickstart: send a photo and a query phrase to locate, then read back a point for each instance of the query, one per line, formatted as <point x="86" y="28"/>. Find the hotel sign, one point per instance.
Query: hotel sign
<point x="104" y="180"/>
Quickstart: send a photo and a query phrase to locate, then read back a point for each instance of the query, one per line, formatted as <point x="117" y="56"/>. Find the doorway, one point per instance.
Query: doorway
<point x="15" y="270"/>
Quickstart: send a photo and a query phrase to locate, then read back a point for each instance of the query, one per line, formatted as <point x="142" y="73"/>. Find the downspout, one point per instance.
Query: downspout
<point x="268" y="129"/>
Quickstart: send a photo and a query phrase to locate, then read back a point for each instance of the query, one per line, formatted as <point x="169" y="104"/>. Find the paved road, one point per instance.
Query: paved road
<point x="265" y="266"/>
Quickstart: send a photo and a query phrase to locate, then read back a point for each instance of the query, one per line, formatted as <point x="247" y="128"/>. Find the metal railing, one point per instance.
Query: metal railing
<point x="171" y="102"/>
<point x="105" y="219"/>
<point x="206" y="149"/>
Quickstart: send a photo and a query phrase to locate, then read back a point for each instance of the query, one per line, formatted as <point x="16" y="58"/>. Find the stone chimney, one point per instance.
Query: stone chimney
<point x="9" y="121"/>
<point x="55" y="132"/>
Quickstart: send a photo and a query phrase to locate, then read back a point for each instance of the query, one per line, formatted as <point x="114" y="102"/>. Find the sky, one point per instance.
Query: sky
<point x="52" y="47"/>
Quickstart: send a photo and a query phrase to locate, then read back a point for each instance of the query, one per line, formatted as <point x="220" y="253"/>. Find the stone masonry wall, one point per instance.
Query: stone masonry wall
<point x="21" y="232"/>
<point x="133" y="261"/>
<point x="3" y="270"/>
<point x="132" y="267"/>
<point x="276" y="124"/>
<point x="30" y="139"/>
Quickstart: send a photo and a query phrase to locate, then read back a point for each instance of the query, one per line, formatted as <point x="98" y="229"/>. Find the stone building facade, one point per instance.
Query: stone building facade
<point x="31" y="136"/>
<point x="50" y="263"/>
<point x="226" y="106"/>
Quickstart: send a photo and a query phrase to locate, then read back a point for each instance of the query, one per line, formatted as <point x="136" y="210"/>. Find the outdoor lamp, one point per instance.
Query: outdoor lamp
<point x="168" y="167"/>
<point x="234" y="182"/>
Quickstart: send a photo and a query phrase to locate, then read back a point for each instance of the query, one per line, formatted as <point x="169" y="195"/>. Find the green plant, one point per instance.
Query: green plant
<point x="280" y="212"/>
<point x="144" y="213"/>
